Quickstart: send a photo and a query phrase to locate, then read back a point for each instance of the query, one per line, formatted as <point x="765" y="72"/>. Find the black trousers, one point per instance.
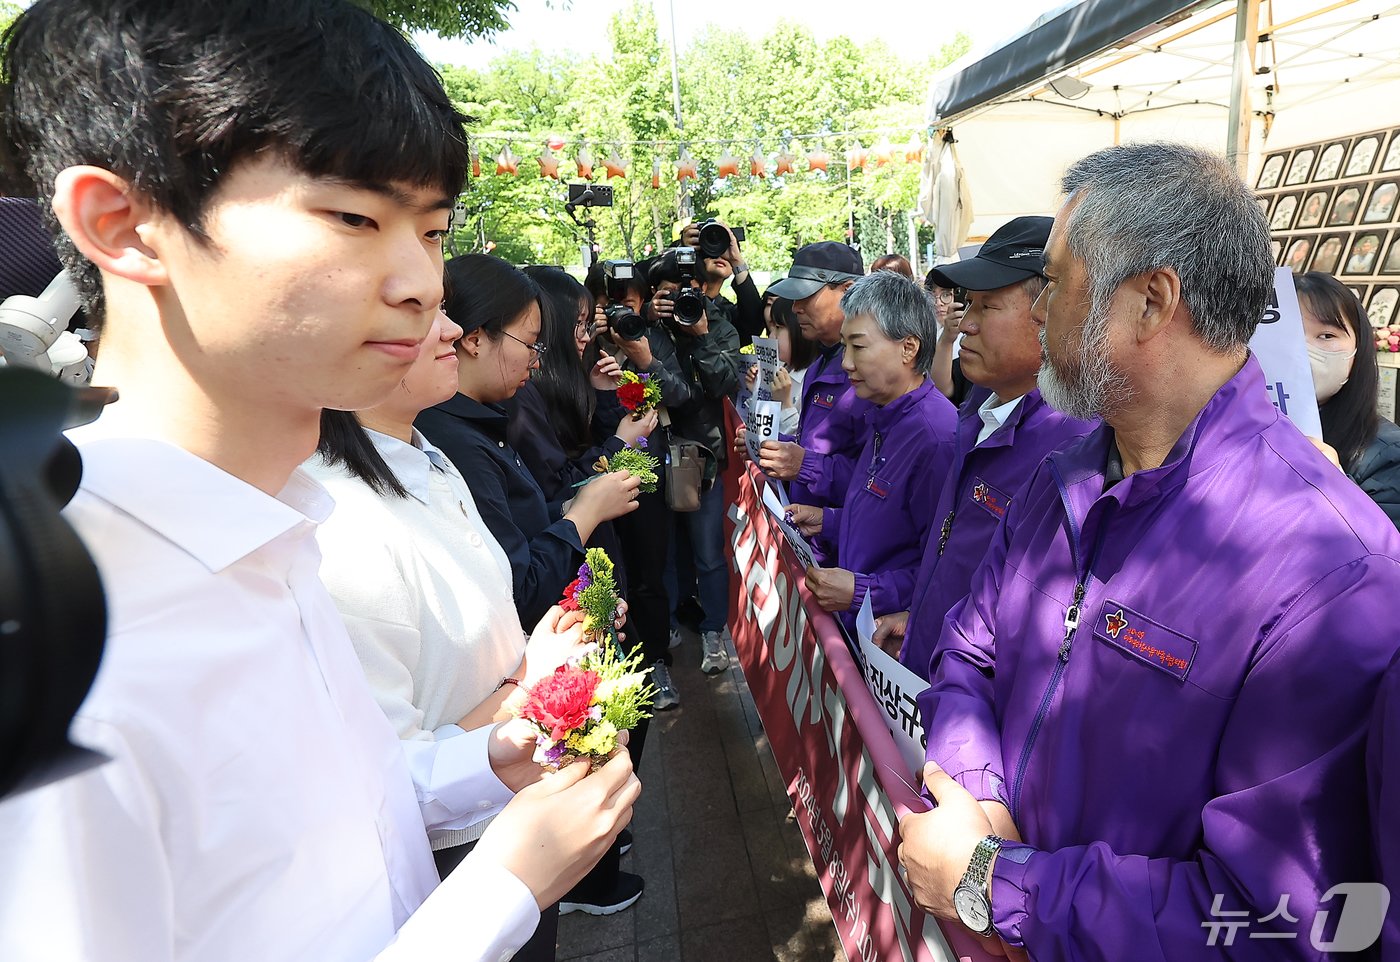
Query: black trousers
<point x="646" y="538"/>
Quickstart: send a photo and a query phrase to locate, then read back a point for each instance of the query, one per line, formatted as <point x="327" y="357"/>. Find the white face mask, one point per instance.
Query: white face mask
<point x="1330" y="370"/>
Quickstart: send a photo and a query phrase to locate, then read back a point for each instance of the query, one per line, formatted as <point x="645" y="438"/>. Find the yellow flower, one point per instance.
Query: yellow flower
<point x="600" y="740"/>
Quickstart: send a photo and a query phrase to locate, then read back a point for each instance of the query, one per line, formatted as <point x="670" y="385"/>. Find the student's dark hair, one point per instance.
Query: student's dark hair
<point x="486" y="293"/>
<point x="1349" y="418"/>
<point x="802" y="352"/>
<point x="344" y="443"/>
<point x="561" y="379"/>
<point x="172" y="95"/>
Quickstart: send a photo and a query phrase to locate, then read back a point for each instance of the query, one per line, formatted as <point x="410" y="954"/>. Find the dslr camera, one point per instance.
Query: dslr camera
<point x="689" y="303"/>
<point x="714" y="239"/>
<point x="627" y="323"/>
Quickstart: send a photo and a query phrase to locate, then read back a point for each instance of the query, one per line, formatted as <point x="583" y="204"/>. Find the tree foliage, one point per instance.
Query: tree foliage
<point x="762" y="91"/>
<point x="448" y="18"/>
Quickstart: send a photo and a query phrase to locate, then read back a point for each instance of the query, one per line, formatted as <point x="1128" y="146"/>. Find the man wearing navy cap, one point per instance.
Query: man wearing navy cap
<point x="817" y="462"/>
<point x="1004" y="428"/>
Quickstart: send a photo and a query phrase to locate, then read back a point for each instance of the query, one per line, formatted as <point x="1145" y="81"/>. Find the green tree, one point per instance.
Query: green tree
<point x="448" y="18"/>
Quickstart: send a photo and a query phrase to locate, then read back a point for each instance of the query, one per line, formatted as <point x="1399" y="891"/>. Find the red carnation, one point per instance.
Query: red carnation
<point x="632" y="396"/>
<point x="559" y="702"/>
<point x="570" y="600"/>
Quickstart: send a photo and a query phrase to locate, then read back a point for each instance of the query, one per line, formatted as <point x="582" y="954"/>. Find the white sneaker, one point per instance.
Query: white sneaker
<point x="715" y="658"/>
<point x="666" y="695"/>
<point x="675" y="637"/>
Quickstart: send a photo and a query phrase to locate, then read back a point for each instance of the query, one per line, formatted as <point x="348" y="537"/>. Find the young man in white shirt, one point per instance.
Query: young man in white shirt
<point x="253" y="195"/>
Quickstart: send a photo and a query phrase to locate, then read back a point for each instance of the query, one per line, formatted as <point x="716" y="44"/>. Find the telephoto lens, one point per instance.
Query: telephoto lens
<point x="690" y="305"/>
<point x="714" y="239"/>
<point x="629" y="325"/>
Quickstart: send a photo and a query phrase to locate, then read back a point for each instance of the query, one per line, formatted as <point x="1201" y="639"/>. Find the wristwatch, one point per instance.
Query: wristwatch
<point x="970" y="898"/>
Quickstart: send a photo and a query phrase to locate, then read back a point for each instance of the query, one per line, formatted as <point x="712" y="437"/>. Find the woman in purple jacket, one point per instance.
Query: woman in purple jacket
<point x="888" y="512"/>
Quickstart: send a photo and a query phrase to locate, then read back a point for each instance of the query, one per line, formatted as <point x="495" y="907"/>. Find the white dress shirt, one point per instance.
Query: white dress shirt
<point x="994" y="412"/>
<point x="425" y="590"/>
<point x="257" y="805"/>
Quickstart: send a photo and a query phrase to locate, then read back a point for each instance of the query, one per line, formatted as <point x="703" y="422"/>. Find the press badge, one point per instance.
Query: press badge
<point x="824" y="400"/>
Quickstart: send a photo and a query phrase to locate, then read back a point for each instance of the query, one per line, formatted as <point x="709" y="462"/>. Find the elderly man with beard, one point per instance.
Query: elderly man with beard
<point x="1148" y="718"/>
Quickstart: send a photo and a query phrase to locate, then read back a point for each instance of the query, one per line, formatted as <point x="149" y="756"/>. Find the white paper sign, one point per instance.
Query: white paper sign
<point x="895" y="689"/>
<point x="765" y="349"/>
<point x="1282" y="349"/>
<point x="762" y="414"/>
<point x="778" y="510"/>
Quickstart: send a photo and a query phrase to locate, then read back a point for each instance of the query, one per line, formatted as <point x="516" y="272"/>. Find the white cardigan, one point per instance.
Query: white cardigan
<point x="425" y="590"/>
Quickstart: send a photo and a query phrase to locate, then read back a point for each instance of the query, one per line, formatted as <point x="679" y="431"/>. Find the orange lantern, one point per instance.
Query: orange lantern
<point x="882" y="152"/>
<point x="685" y="167"/>
<point x="818" y="160"/>
<point x="785" y="163"/>
<point x="615" y="166"/>
<point x="727" y="166"/>
<point x="549" y="164"/>
<point x="656" y="173"/>
<point x="585" y="163"/>
<point x="758" y="165"/>
<point x="507" y="162"/>
<point x="914" y="150"/>
<point x="554" y="142"/>
<point x="856" y="157"/>
<point x="476" y="162"/>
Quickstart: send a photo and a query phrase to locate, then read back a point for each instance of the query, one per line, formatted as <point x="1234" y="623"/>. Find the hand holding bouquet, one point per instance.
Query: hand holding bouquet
<point x="635" y="461"/>
<point x="578" y="711"/>
<point x="638" y="393"/>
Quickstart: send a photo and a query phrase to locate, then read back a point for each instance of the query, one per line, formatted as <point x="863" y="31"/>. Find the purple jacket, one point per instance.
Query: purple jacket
<point x="1179" y="705"/>
<point x="832" y="432"/>
<point x="1383" y="776"/>
<point x="971" y="503"/>
<point x="888" y="510"/>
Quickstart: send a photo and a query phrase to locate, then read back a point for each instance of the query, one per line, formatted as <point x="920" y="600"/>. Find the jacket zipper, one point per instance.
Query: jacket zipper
<point x="1071" y="625"/>
<point x="946" y="532"/>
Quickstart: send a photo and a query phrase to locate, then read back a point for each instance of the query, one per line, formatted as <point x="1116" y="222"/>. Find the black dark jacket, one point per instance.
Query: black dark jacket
<point x="531" y="432"/>
<point x="747" y="314"/>
<point x="711" y="365"/>
<point x="544" y="549"/>
<point x="1378" y="470"/>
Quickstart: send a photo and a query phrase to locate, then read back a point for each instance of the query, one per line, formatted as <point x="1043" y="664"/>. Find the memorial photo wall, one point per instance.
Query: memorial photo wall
<point x="1334" y="206"/>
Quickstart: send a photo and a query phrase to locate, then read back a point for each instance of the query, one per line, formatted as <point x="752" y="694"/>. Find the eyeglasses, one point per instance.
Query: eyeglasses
<point x="538" y="348"/>
<point x="942" y="294"/>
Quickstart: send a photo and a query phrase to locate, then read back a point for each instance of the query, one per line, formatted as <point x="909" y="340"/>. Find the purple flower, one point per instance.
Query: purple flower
<point x="554" y="754"/>
<point x="641" y="443"/>
<point x="585" y="577"/>
<point x="644" y="378"/>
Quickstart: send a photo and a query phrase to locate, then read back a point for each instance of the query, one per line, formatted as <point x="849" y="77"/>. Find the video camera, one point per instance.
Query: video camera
<point x="627" y="323"/>
<point x="714" y="238"/>
<point x="689" y="303"/>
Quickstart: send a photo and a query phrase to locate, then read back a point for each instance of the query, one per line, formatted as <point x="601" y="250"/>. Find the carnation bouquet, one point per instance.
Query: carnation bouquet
<point x="578" y="711"/>
<point x="594" y="592"/>
<point x="638" y="394"/>
<point x="635" y="461"/>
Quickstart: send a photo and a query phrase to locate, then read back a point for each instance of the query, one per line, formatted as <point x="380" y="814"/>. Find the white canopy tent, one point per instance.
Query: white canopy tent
<point x="1100" y="72"/>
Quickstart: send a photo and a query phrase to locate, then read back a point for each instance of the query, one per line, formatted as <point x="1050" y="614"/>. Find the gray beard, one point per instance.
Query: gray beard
<point x="1091" y="386"/>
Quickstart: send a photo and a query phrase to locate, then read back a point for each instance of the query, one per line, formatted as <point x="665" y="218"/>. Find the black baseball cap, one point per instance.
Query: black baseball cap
<point x="815" y="266"/>
<point x="1016" y="251"/>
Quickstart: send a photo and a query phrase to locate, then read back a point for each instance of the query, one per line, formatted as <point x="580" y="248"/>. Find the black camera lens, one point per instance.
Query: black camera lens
<point x="714" y="239"/>
<point x="689" y="304"/>
<point x="628" y="324"/>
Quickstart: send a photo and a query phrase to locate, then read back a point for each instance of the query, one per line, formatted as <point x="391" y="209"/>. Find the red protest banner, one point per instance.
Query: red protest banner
<point x="847" y="780"/>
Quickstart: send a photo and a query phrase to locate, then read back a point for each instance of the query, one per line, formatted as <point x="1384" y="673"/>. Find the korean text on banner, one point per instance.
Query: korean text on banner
<point x="895" y="689"/>
<point x="1282" y="349"/>
<point x="847" y="780"/>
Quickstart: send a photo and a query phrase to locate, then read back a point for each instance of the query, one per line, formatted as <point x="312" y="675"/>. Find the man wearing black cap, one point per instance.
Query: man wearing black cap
<point x="1004" y="430"/>
<point x="817" y="463"/>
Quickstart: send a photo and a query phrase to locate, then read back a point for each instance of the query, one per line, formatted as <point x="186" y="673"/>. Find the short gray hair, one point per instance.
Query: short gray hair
<point x="900" y="307"/>
<point x="1142" y="207"/>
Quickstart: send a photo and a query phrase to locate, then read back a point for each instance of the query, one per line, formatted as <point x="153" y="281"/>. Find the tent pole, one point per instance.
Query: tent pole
<point x="1246" y="40"/>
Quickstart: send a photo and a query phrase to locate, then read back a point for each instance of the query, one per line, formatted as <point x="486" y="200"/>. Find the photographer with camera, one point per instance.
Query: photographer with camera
<point x="707" y="347"/>
<point x="719" y="259"/>
<point x="623" y="327"/>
